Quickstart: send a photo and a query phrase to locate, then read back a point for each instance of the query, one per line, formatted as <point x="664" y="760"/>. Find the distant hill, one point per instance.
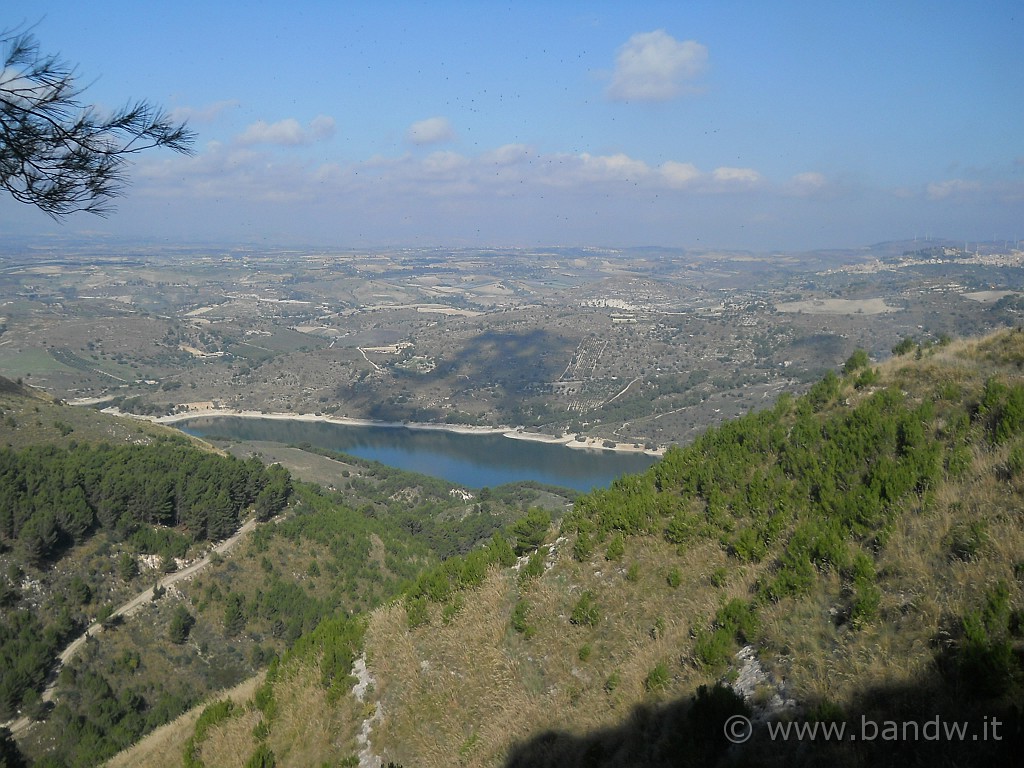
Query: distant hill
<point x="851" y="559"/>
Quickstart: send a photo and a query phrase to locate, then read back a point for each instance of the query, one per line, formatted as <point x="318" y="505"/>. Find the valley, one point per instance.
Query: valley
<point x="607" y="606"/>
<point x="641" y="347"/>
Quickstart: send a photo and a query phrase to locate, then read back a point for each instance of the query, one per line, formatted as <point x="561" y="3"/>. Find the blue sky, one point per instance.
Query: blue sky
<point x="787" y="125"/>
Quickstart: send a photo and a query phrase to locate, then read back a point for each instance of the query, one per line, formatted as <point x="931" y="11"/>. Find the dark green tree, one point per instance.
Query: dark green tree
<point x="234" y="615"/>
<point x="57" y="153"/>
<point x="181" y="625"/>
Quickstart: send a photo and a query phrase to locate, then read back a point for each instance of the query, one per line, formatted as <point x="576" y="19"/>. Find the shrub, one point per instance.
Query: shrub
<point x="530" y="531"/>
<point x="714" y="648"/>
<point x="748" y="546"/>
<point x="534" y="565"/>
<point x="866" y="378"/>
<point x="616" y="548"/>
<point x="585" y="612"/>
<point x="903" y="347"/>
<point x="612" y="682"/>
<point x="583" y="548"/>
<point x="682" y="528"/>
<point x="658" y="678"/>
<point x="1015" y="462"/>
<point x="855" y="362"/>
<point x="985" y="655"/>
<point x="519" y="620"/>
<point x="181" y="625"/>
<point x="674" y="578"/>
<point x="451" y="610"/>
<point x="965" y="540"/>
<point x="719" y="577"/>
<point x="127" y="566"/>
<point x="263" y="757"/>
<point x="416" y="611"/>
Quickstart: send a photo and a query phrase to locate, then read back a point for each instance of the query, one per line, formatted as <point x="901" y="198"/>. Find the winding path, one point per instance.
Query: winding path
<point x="125" y="609"/>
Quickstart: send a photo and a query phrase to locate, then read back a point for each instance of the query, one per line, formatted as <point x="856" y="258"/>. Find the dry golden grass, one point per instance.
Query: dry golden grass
<point x="306" y="731"/>
<point x="462" y="692"/>
<point x="229" y="744"/>
<point x="309" y="730"/>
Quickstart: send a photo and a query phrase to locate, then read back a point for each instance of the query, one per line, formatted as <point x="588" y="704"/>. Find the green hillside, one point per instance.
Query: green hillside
<point x="851" y="558"/>
<point x="97" y="511"/>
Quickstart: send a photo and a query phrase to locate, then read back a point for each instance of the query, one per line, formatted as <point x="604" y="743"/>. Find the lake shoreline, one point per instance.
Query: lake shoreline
<point x="569" y="441"/>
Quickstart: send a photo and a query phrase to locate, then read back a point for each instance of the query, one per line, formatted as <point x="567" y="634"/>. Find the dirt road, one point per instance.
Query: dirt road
<point x="124" y="610"/>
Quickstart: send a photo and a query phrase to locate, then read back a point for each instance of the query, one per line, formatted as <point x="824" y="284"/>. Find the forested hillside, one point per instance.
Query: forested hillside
<point x="87" y="524"/>
<point x="851" y="557"/>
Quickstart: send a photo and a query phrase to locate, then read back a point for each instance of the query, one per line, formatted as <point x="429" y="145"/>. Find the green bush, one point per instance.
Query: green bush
<point x="713" y="648"/>
<point x="612" y="682"/>
<point x="748" y="545"/>
<point x="682" y="528"/>
<point x="451" y="609"/>
<point x="519" y="619"/>
<point x="417" y="611"/>
<point x="616" y="548"/>
<point x="674" y="578"/>
<point x="855" y="362"/>
<point x="586" y="612"/>
<point x="534" y="565"/>
<point x="905" y="346"/>
<point x="965" y="540"/>
<point x="263" y="757"/>
<point x="658" y="678"/>
<point x="739" y="619"/>
<point x="583" y="547"/>
<point x="985" y="658"/>
<point x="1015" y="462"/>
<point x="181" y="625"/>
<point x="530" y="531"/>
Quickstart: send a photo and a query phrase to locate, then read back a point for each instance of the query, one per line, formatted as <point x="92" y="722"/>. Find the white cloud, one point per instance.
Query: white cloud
<point x="433" y="130"/>
<point x="945" y="189"/>
<point x="654" y="66"/>
<point x="618" y="167"/>
<point x="747" y="177"/>
<point x="678" y="174"/>
<point x="515" y="171"/>
<point x="288" y="132"/>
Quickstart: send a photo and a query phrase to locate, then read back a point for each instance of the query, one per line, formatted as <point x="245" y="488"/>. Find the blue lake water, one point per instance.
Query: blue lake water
<point x="466" y="459"/>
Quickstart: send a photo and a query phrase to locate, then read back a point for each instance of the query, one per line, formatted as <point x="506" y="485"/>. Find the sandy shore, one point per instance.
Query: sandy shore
<point x="570" y="441"/>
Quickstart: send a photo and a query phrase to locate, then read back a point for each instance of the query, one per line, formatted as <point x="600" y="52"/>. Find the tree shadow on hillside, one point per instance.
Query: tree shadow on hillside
<point x="916" y="724"/>
<point x="517" y="361"/>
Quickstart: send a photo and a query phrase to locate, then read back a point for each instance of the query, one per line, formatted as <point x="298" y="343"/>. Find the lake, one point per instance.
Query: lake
<point x="465" y="459"/>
